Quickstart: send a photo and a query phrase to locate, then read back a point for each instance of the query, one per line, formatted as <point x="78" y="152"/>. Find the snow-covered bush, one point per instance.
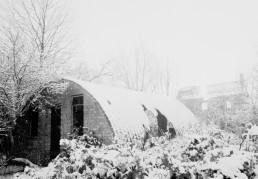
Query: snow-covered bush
<point x="200" y="155"/>
<point x="250" y="138"/>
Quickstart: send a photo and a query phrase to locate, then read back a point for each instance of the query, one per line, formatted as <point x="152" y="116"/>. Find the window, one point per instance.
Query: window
<point x="228" y="103"/>
<point x="204" y="106"/>
<point x="77" y="109"/>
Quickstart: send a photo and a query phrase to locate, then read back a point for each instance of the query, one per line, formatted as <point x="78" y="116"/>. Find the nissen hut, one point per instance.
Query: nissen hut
<point x="107" y="111"/>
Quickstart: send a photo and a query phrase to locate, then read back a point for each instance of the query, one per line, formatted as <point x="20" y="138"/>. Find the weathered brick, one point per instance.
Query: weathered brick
<point x="94" y="118"/>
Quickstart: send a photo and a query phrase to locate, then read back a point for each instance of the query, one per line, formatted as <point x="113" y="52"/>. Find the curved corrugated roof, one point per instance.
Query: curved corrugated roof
<point x="125" y="111"/>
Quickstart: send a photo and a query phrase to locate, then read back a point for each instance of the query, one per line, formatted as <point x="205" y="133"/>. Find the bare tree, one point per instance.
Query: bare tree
<point x="82" y="70"/>
<point x="250" y="95"/>
<point x="32" y="51"/>
<point x="162" y="78"/>
<point x="44" y="24"/>
<point x="141" y="72"/>
<point x="134" y="72"/>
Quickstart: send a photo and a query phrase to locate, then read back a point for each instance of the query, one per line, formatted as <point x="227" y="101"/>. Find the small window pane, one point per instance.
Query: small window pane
<point x="78" y="116"/>
<point x="77" y="100"/>
<point x="228" y="104"/>
<point x="204" y="106"/>
<point x="77" y="107"/>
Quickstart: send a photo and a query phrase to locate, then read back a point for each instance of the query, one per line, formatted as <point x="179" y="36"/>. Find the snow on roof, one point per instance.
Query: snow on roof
<point x="125" y="108"/>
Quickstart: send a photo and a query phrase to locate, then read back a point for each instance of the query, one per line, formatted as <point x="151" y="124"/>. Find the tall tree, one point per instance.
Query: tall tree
<point x="162" y="78"/>
<point x="141" y="72"/>
<point x="84" y="71"/>
<point x="251" y="95"/>
<point x="33" y="49"/>
<point x="134" y="71"/>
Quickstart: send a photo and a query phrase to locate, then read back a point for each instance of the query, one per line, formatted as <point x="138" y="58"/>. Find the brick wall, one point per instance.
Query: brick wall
<point x="94" y="117"/>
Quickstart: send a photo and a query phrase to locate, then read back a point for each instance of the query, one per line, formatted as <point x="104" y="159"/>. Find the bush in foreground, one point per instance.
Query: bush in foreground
<point x="205" y="154"/>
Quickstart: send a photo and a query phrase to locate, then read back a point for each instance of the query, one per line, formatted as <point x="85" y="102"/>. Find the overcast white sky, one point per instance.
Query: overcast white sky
<point x="209" y="41"/>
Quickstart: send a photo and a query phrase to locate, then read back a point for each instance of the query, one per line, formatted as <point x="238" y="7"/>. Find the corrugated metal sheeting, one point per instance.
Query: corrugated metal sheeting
<point x="125" y="108"/>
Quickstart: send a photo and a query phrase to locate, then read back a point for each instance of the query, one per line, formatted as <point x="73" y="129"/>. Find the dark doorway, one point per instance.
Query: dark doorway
<point x="55" y="131"/>
<point x="34" y="120"/>
<point x="172" y="132"/>
<point x="162" y="123"/>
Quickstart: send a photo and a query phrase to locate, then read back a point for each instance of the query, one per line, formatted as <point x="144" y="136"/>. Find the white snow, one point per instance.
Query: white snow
<point x="124" y="108"/>
<point x="231" y="166"/>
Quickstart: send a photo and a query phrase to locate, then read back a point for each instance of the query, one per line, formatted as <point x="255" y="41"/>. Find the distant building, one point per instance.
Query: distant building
<point x="192" y="98"/>
<point x="225" y="96"/>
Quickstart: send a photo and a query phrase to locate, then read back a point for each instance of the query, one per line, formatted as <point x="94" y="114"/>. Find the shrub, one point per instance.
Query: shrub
<point x="204" y="154"/>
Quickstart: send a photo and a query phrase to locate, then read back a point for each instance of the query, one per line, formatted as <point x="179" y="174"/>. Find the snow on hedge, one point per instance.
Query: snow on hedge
<point x="199" y="156"/>
<point x="125" y="108"/>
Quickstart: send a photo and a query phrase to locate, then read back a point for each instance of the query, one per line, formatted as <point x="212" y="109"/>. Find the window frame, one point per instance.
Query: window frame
<point x="75" y="105"/>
